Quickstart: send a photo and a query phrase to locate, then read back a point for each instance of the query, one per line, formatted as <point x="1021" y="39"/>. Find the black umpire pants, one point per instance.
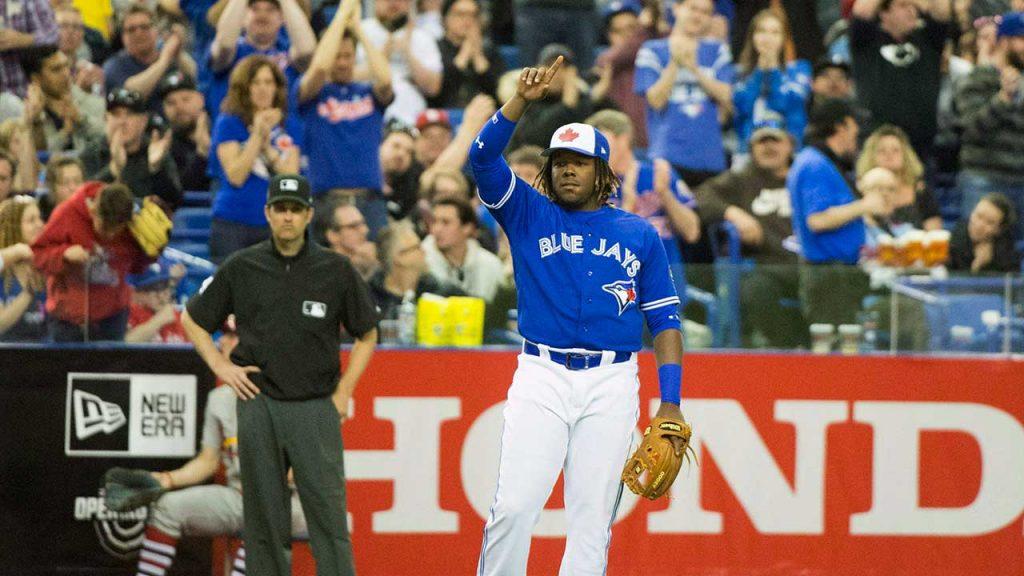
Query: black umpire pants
<point x="304" y="435"/>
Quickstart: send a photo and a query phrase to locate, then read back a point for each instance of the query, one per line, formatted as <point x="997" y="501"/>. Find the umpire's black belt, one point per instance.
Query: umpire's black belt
<point x="576" y="360"/>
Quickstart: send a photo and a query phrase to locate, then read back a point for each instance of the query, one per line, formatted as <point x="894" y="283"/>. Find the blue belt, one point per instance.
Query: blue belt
<point x="574" y="360"/>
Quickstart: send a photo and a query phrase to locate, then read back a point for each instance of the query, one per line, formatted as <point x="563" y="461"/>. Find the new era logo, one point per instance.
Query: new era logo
<point x="289" y="184"/>
<point x="122" y="415"/>
<point x="93" y="415"/>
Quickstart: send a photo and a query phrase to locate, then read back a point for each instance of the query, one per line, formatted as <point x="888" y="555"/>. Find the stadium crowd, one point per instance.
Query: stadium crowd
<point x="813" y="131"/>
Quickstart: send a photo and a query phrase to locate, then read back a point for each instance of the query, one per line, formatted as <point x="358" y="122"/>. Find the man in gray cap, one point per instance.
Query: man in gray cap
<point x="755" y="201"/>
<point x="290" y="298"/>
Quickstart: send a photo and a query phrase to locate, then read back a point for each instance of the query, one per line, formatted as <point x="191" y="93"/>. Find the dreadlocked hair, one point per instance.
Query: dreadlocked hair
<point x="606" y="183"/>
<point x="11" y="211"/>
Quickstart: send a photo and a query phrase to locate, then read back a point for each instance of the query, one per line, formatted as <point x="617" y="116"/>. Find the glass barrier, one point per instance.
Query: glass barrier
<point x="736" y="304"/>
<point x="853" y="310"/>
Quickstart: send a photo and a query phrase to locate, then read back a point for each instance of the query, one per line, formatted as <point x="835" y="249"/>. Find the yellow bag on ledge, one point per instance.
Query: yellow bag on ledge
<point x="466" y="318"/>
<point x="453" y="321"/>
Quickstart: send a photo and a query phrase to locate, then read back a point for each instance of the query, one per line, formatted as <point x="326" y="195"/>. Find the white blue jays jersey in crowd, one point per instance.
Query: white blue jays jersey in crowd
<point x="585" y="279"/>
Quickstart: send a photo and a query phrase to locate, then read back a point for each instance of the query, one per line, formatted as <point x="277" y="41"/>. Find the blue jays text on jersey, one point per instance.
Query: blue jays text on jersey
<point x="585" y="279"/>
<point x="574" y="244"/>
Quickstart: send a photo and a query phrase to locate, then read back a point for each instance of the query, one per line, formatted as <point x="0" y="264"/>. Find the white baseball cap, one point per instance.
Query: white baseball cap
<point x="579" y="138"/>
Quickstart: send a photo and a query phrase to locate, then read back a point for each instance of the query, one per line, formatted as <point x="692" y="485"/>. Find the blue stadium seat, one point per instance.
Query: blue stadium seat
<point x="191" y="224"/>
<point x="959" y="310"/>
<point x="197" y="249"/>
<point x="193" y="218"/>
<point x="197" y="198"/>
<point x="191" y="235"/>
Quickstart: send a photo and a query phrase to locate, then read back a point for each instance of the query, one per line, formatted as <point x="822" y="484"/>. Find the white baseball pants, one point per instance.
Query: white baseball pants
<point x="557" y="420"/>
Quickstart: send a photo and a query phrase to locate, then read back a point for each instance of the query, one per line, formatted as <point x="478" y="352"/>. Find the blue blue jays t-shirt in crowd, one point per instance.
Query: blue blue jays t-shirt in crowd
<point x="218" y="88"/>
<point x="650" y="207"/>
<point x="584" y="279"/>
<point x="244" y="204"/>
<point x="343" y="126"/>
<point x="763" y="94"/>
<point x="815" y="185"/>
<point x="686" y="131"/>
<point x="31" y="327"/>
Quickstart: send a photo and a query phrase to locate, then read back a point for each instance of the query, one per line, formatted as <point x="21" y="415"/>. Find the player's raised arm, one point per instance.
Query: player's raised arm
<point x="494" y="178"/>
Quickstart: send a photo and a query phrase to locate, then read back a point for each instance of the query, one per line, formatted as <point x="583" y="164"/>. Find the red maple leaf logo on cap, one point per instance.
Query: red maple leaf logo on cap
<point x="568" y="135"/>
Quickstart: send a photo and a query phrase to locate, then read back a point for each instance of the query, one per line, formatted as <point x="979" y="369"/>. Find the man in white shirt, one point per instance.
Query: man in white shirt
<point x="454" y="256"/>
<point x="416" y="68"/>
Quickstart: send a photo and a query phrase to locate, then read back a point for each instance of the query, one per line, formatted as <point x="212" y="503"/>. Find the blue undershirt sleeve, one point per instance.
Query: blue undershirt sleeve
<point x="494" y="177"/>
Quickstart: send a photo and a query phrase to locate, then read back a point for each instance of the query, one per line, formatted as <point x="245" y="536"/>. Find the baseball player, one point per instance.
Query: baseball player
<point x="587" y="276"/>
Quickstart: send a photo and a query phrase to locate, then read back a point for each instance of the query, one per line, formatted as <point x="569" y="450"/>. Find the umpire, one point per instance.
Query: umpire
<point x="290" y="298"/>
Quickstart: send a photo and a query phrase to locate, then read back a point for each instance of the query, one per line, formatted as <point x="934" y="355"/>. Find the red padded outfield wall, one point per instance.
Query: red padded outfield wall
<point x="808" y="465"/>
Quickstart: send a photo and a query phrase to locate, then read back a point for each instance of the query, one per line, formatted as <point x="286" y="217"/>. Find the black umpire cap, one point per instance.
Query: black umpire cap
<point x="289" y="188"/>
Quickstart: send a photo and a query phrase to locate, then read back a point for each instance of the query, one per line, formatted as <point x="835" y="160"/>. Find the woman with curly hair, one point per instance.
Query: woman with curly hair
<point x="22" y="317"/>
<point x="889" y="147"/>
<point x="253" y="141"/>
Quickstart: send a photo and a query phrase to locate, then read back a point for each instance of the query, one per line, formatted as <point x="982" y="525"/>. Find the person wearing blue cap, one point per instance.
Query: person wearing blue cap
<point x="153" y="316"/>
<point x="991" y="105"/>
<point x="587" y="277"/>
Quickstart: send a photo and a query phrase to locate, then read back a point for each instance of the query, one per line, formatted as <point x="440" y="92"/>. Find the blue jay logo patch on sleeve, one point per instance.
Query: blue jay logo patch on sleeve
<point x="624" y="292"/>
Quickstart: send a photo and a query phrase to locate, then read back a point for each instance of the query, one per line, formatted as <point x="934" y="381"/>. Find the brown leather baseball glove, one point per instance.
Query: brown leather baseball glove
<point x="650" y="471"/>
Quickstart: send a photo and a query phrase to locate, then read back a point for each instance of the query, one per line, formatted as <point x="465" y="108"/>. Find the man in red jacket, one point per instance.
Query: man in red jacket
<point x="86" y="251"/>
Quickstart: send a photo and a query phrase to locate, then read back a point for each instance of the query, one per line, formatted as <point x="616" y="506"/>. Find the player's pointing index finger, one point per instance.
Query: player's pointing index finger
<point x="552" y="70"/>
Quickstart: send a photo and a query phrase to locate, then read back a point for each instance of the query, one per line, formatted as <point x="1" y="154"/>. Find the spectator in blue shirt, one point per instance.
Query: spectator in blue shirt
<point x="252" y="141"/>
<point x="343" y="119"/>
<point x="22" y="287"/>
<point x="141" y="65"/>
<point x="650" y="189"/>
<point x="261" y="21"/>
<point x="687" y="81"/>
<point x="828" y="218"/>
<point x="768" y="81"/>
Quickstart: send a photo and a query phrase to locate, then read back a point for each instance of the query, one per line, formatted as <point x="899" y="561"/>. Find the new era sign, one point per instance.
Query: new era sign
<point x="94" y="415"/>
<point x="130" y="415"/>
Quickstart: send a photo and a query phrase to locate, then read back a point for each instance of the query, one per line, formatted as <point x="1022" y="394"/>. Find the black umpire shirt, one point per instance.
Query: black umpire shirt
<point x="288" y="313"/>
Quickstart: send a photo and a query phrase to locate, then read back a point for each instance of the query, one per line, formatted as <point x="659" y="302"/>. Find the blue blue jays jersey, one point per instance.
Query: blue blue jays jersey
<point x="585" y="279"/>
